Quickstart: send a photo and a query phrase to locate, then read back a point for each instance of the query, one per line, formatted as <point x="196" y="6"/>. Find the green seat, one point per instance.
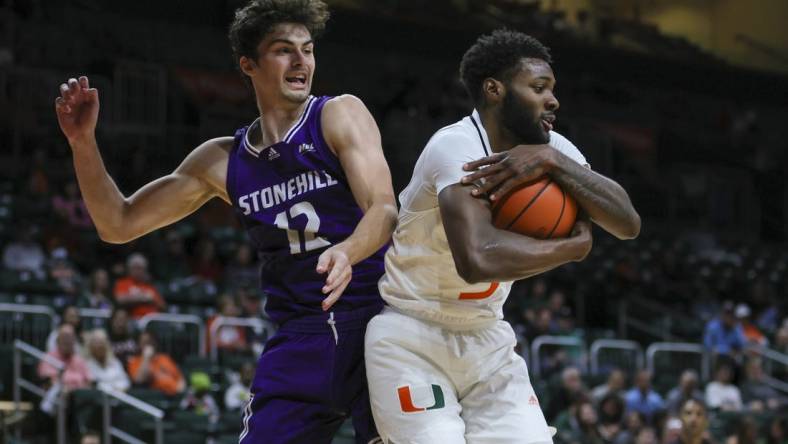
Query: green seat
<point x="228" y="438"/>
<point x="195" y="422"/>
<point x="194" y="363"/>
<point x="87" y="407"/>
<point x="134" y="422"/>
<point x="152" y="397"/>
<point x="185" y="437"/>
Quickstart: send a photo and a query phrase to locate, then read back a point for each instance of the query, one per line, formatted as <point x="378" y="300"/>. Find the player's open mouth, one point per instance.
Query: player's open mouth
<point x="297" y="81"/>
<point x="547" y="123"/>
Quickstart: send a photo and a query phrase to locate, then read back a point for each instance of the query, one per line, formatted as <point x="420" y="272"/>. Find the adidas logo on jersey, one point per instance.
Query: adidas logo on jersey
<point x="305" y="147"/>
<point x="272" y="153"/>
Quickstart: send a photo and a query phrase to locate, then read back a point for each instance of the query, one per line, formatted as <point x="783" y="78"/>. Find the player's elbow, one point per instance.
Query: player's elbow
<point x="471" y="267"/>
<point x="390" y="212"/>
<point x="630" y="229"/>
<point x="113" y="236"/>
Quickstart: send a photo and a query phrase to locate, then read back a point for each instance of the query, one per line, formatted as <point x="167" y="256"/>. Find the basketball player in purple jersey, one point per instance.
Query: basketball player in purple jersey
<point x="309" y="181"/>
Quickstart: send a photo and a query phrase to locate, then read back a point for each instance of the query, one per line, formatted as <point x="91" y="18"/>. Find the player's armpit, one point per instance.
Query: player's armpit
<point x="168" y="199"/>
<point x="484" y="253"/>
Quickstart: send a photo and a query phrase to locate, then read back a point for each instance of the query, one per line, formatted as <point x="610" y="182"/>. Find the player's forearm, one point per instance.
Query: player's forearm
<point x="605" y="201"/>
<point x="372" y="232"/>
<point x="507" y="256"/>
<point x="102" y="197"/>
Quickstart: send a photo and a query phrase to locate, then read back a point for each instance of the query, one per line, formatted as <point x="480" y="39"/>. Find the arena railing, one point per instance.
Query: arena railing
<point x="615" y="344"/>
<point x="177" y="319"/>
<point x="257" y="324"/>
<point x="21" y="383"/>
<point x="678" y="348"/>
<point x="16" y="330"/>
<point x="630" y="307"/>
<point x="772" y="358"/>
<point x="563" y="341"/>
<point x="102" y="314"/>
<point x="109" y="394"/>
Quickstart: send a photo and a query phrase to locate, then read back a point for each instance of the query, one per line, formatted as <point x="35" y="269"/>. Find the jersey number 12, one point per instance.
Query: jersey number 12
<point x="307" y="236"/>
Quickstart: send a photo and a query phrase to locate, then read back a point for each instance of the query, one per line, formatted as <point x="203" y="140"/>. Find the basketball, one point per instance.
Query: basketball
<point x="539" y="209"/>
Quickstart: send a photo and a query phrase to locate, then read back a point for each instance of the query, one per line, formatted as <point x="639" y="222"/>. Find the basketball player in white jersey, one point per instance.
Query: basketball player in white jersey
<point x="440" y="360"/>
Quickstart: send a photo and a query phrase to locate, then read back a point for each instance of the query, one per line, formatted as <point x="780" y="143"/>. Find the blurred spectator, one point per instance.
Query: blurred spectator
<point x="251" y="303"/>
<point x="69" y="316"/>
<point x="153" y="369"/>
<point x="616" y="383"/>
<point x="777" y="430"/>
<point x="541" y="325"/>
<point x="134" y="291"/>
<point x="198" y="398"/>
<point x="90" y="437"/>
<point x="765" y="311"/>
<point x="228" y="337"/>
<point x="242" y="272"/>
<point x="642" y="398"/>
<point x="756" y="394"/>
<point x="238" y="392"/>
<point x="746" y="432"/>
<point x="694" y="423"/>
<point x="611" y="416"/>
<point x="646" y="435"/>
<point x="671" y="431"/>
<point x="687" y="389"/>
<point x="98" y="294"/>
<point x="633" y="423"/>
<point x="721" y="393"/>
<point x="24" y="254"/>
<point x="106" y="369"/>
<point x="204" y="263"/>
<point x="723" y="335"/>
<point x="121" y="335"/>
<point x="76" y="374"/>
<point x="584" y="424"/>
<point x="38" y="184"/>
<point x="570" y="389"/>
<point x="65" y="276"/>
<point x="750" y="330"/>
<point x="71" y="207"/>
<point x="781" y="340"/>
<point x="173" y="262"/>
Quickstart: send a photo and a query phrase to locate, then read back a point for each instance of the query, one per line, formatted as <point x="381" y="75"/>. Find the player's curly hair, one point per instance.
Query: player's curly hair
<point x="496" y="55"/>
<point x="255" y="20"/>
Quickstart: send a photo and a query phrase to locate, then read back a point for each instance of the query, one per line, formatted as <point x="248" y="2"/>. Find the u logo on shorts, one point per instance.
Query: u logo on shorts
<point x="406" y="400"/>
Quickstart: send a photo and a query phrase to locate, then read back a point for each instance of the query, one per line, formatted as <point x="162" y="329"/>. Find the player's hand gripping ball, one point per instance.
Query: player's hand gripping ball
<point x="539" y="209"/>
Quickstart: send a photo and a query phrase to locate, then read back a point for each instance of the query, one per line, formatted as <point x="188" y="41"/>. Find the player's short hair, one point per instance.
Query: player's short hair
<point x="497" y="55"/>
<point x="255" y="20"/>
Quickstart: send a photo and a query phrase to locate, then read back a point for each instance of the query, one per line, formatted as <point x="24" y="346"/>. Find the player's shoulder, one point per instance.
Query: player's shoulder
<point x="453" y="138"/>
<point x="207" y="156"/>
<point x="343" y="104"/>
<point x="218" y="146"/>
<point x="566" y="147"/>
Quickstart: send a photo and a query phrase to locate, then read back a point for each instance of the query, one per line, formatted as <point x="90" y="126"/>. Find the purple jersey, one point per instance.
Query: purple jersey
<point x="294" y="201"/>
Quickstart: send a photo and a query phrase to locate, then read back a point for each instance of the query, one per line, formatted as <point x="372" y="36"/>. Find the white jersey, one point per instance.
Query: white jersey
<point x="421" y="279"/>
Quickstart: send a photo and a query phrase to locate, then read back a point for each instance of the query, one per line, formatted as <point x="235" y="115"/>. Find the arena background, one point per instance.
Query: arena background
<point x="682" y="102"/>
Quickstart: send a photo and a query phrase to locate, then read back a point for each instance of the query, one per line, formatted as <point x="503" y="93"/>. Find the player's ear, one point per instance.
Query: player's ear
<point x="247" y="65"/>
<point x="493" y="90"/>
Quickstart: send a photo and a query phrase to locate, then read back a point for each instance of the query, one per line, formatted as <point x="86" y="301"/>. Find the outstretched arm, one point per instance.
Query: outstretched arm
<point x="118" y="218"/>
<point x="484" y="253"/>
<point x="353" y="135"/>
<point x="604" y="200"/>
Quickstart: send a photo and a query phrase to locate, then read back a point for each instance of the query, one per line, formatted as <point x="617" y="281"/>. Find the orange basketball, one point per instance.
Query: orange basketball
<point x="539" y="209"/>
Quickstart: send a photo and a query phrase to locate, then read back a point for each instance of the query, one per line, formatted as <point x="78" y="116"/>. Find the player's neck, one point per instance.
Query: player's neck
<point x="500" y="138"/>
<point x="276" y="119"/>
